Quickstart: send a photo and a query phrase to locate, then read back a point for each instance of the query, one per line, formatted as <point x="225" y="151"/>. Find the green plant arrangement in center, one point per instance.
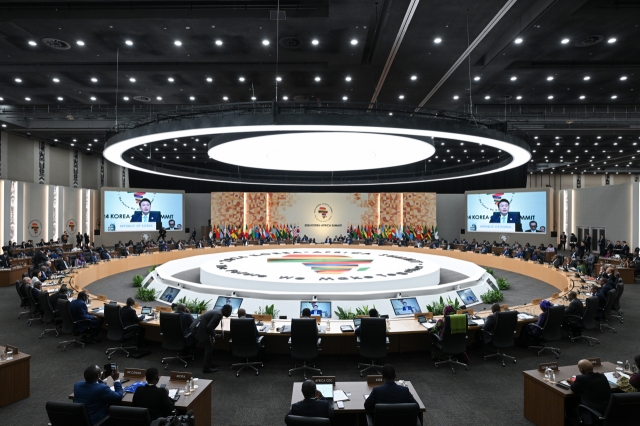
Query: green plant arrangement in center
<point x="503" y="284"/>
<point x="345" y="314"/>
<point x="195" y="306"/>
<point x="492" y="296"/>
<point x="437" y="307"/>
<point x="268" y="310"/>
<point x="146" y="295"/>
<point x="137" y="280"/>
<point x="363" y="310"/>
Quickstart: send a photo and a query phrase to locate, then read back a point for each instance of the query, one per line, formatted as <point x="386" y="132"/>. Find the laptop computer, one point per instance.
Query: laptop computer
<point x="326" y="389"/>
<point x="357" y="322"/>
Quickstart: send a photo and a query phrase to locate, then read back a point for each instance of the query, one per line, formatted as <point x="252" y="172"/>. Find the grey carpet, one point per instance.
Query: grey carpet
<point x="486" y="394"/>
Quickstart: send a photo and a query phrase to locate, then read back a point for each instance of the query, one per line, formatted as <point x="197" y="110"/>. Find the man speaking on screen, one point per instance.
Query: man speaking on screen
<point x="145" y="214"/>
<point x="503" y="215"/>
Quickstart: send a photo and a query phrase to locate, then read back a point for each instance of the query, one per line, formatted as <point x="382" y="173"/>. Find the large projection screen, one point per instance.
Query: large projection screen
<point x="134" y="210"/>
<point x="508" y="212"/>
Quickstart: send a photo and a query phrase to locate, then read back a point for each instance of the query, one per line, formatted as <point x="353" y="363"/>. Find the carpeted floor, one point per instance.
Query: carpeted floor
<point x="486" y="394"/>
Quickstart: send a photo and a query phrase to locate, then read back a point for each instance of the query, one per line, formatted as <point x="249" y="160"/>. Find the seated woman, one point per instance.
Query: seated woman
<point x="530" y="332"/>
<point x="632" y="384"/>
<point x="438" y="330"/>
<point x="80" y="262"/>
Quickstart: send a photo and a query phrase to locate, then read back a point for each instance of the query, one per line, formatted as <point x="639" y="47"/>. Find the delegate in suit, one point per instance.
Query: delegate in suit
<point x="145" y="214"/>
<point x="153" y="398"/>
<point x="204" y="329"/>
<point x="96" y="394"/>
<point x="503" y="215"/>
<point x="312" y="405"/>
<point x="390" y="392"/>
<point x="593" y="389"/>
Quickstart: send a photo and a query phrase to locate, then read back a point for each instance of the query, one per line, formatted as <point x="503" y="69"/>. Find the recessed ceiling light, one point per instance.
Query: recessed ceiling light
<point x="177" y="43"/>
<point x="278" y="78"/>
<point x="18" y="80"/>
<point x="126" y="98"/>
<point x="344" y="98"/>
<point x="314" y="42"/>
<point x="476" y="78"/>
<point x="611" y="40"/>
<point x="133" y="80"/>
<point x="347" y="78"/>
<point x="487" y="97"/>
<point x="218" y="42"/>
<point x="60" y="98"/>
<point x="192" y="98"/>
<point x="27" y="99"/>
<point x="614" y="97"/>
<point x="129" y="43"/>
<point x="317" y="79"/>
<point x="437" y="40"/>
<point x="549" y="78"/>
<point x="414" y="77"/>
<point x="265" y="42"/>
<point x="456" y="97"/>
<point x="518" y="97"/>
<point x="159" y="98"/>
<point x="550" y="97"/>
<point x="95" y="80"/>
<point x="209" y="79"/>
<point x="619" y="137"/>
<point x="518" y="40"/>
<point x="224" y="98"/>
<point x="401" y="97"/>
<point x="253" y="98"/>
<point x="586" y="78"/>
<point x="75" y="140"/>
<point x="89" y="144"/>
<point x="93" y="98"/>
<point x="96" y="140"/>
<point x="32" y="43"/>
<point x="73" y="144"/>
<point x="56" y="80"/>
<point x="623" y="78"/>
<point x="241" y="79"/>
<point x="392" y="114"/>
<point x="4" y="125"/>
<point x="354" y="41"/>
<point x="170" y="80"/>
<point x="514" y="78"/>
<point x="535" y="137"/>
<point x="565" y="41"/>
<point x="80" y="43"/>
<point x="599" y="137"/>
<point x="285" y="98"/>
<point x="582" y="97"/>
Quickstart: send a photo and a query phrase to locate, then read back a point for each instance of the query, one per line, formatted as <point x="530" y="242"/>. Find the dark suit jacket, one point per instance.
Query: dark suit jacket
<point x="155" y="399"/>
<point x="625" y="250"/>
<point x="153" y="217"/>
<point x="61" y="265"/>
<point x="4" y="261"/>
<point x="594" y="390"/>
<point x="128" y="316"/>
<point x="204" y="327"/>
<point x="312" y="407"/>
<point x="79" y="311"/>
<point x="186" y="321"/>
<point x="96" y="397"/>
<point x="389" y="393"/>
<point x="489" y="325"/>
<point x="53" y="299"/>
<point x="39" y="258"/>
<point x="512" y="217"/>
<point x="574" y="308"/>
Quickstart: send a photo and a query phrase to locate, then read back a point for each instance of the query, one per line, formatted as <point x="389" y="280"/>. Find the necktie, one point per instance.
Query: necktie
<point x="504" y="219"/>
<point x="144" y="218"/>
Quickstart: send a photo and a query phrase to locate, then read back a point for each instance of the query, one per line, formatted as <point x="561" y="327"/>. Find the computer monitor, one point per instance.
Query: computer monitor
<point x="405" y="306"/>
<point x="235" y="303"/>
<point x="321" y="309"/>
<point x="169" y="295"/>
<point x="146" y="310"/>
<point x="491" y="284"/>
<point x="468" y="297"/>
<point x="148" y="283"/>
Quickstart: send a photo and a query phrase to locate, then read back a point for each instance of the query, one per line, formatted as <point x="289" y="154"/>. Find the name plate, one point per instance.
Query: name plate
<point x="544" y="366"/>
<point x="464" y="311"/>
<point x="555" y="295"/>
<point x="135" y="372"/>
<point x="504" y="308"/>
<point x="427" y="315"/>
<point x="181" y="376"/>
<point x="262" y="317"/>
<point x="102" y="297"/>
<point x="326" y="380"/>
<point x="536" y="301"/>
<point x="595" y="361"/>
<point x="163" y="309"/>
<point x="13" y="348"/>
<point x="375" y="380"/>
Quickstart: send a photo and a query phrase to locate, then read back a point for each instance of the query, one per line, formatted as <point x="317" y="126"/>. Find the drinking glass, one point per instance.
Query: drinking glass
<point x="9" y="355"/>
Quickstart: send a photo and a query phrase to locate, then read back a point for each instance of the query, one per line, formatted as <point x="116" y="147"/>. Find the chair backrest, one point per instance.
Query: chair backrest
<point x="551" y="330"/>
<point x="611" y="297"/>
<point x="64" y="310"/>
<point x="622" y="409"/>
<point x="404" y="414"/>
<point x="47" y="310"/>
<point x="616" y="302"/>
<point x="453" y="344"/>
<point x="505" y="328"/>
<point x="67" y="414"/>
<point x="115" y="329"/>
<point x="588" y="316"/>
<point x="373" y="338"/>
<point x="304" y="338"/>
<point x="24" y="301"/>
<point x="171" y="329"/>
<point x="35" y="304"/>
<point x="243" y="335"/>
<point x="129" y="416"/>
<point x="306" y="421"/>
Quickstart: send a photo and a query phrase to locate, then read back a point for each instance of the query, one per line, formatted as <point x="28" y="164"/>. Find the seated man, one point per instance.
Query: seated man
<point x="490" y="323"/>
<point x="60" y="294"/>
<point x="390" y="392"/>
<point x="550" y="248"/>
<point x="575" y="308"/>
<point x="242" y="313"/>
<point x="313" y="405"/>
<point x="373" y="313"/>
<point x="62" y="264"/>
<point x="593" y="389"/>
<point x="36" y="288"/>
<point x="306" y="313"/>
<point x="104" y="253"/>
<point x="153" y="398"/>
<point x="79" y="311"/>
<point x="95" y="394"/>
<point x="129" y="316"/>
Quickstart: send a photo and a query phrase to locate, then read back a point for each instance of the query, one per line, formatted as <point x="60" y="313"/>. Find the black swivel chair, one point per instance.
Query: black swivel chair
<point x="69" y="414"/>
<point x="451" y="344"/>
<point x="291" y="420"/>
<point x="503" y="335"/>
<point x="372" y="342"/>
<point x="405" y="414"/>
<point x="616" y="312"/>
<point x="244" y="343"/>
<point x="69" y="326"/>
<point x="49" y="316"/>
<point x="304" y="343"/>
<point x="129" y="416"/>
<point x="622" y="410"/>
<point x="587" y="321"/>
<point x="35" y="310"/>
<point x="604" y="314"/>
<point x="118" y="332"/>
<point x="24" y="300"/>
<point x="172" y="338"/>
<point x="551" y="331"/>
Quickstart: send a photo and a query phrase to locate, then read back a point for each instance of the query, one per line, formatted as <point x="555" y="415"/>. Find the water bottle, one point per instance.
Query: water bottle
<point x="273" y="324"/>
<point x="547" y="374"/>
<point x="553" y="377"/>
<point x="388" y="325"/>
<point x="627" y="366"/>
<point x="187" y="388"/>
<point x="328" y="325"/>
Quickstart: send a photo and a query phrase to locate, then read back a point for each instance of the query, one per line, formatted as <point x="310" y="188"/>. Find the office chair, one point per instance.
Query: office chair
<point x="24" y="300"/>
<point x="622" y="410"/>
<point x="604" y="314"/>
<point x="292" y="420"/>
<point x="451" y="344"/>
<point x="69" y="326"/>
<point x="245" y="343"/>
<point x="372" y="342"/>
<point x="118" y="332"/>
<point x="502" y="336"/>
<point x="34" y="309"/>
<point x="405" y="414"/>
<point x="172" y="337"/>
<point x="615" y="307"/>
<point x="551" y="331"/>
<point x="129" y="416"/>
<point x="587" y="321"/>
<point x="69" y="414"/>
<point x="49" y="315"/>
<point x="304" y="343"/>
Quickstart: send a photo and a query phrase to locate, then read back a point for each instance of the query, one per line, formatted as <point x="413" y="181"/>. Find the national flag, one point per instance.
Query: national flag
<point x="436" y="232"/>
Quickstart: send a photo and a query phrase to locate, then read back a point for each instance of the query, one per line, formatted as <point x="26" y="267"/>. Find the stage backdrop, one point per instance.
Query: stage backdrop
<point x="322" y="215"/>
